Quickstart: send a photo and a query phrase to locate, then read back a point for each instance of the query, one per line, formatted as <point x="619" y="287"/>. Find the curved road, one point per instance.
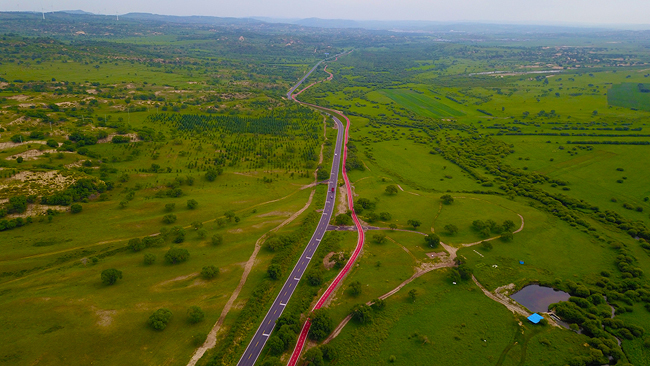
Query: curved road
<point x="262" y="334"/>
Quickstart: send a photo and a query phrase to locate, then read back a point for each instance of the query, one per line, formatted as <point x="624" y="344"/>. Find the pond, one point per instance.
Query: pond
<point x="537" y="298"/>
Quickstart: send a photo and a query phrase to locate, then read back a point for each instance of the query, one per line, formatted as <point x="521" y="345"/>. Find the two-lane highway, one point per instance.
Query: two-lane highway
<point x="264" y="331"/>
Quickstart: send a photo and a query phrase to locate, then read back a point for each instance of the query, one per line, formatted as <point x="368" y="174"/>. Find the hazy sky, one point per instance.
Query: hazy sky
<point x="517" y="11"/>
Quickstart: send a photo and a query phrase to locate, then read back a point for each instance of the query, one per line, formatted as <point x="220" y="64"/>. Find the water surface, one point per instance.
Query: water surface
<point x="537" y="298"/>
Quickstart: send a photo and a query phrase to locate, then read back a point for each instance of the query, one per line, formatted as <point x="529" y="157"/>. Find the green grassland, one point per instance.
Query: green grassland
<point x="421" y="104"/>
<point x="628" y="95"/>
<point x="451" y="318"/>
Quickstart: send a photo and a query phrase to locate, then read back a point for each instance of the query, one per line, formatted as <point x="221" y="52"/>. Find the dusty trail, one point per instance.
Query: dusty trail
<point x="211" y="341"/>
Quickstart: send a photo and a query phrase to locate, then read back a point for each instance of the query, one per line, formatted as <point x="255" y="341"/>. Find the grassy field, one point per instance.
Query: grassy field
<point x="628" y="95"/>
<point x="456" y="325"/>
<point x="421" y="104"/>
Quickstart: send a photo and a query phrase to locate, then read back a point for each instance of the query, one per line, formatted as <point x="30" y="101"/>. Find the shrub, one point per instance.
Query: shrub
<point x="195" y="314"/>
<point x="274" y="271"/>
<point x="159" y="319"/>
<point x="169" y="219"/>
<point x="176" y="255"/>
<point x="110" y="276"/>
<point x="209" y="272"/>
<point x="149" y="259"/>
<point x="136" y="244"/>
<point x="192" y="204"/>
<point x="217" y="239"/>
<point x="75" y="208"/>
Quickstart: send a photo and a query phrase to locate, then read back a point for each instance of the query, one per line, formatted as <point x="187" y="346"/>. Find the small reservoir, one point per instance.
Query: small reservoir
<point x="537" y="298"/>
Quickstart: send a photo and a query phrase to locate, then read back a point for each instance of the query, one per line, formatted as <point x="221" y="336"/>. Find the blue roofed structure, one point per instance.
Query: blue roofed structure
<point x="535" y="318"/>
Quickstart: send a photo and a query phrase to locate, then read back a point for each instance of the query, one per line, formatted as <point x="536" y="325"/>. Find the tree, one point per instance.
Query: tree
<point x="507" y="236"/>
<point x="160" y="318"/>
<point x="197" y="225"/>
<point x="276" y="345"/>
<point x="136" y="244"/>
<point x="149" y="259"/>
<point x="413" y="294"/>
<point x="414" y="223"/>
<point x="195" y="314"/>
<point x="201" y="233"/>
<point x="169" y="219"/>
<point x="321" y="325"/>
<point x="486" y="245"/>
<point x="212" y="174"/>
<point x="362" y="313"/>
<point x="378" y="304"/>
<point x="385" y="216"/>
<point x="465" y="272"/>
<point x="170" y="207"/>
<point x="380" y="238"/>
<point x="451" y="229"/>
<point x="478" y="225"/>
<point x="447" y="199"/>
<point x="343" y="220"/>
<point x="176" y="255"/>
<point x="192" y="204"/>
<point x="392" y="226"/>
<point x="314" y="277"/>
<point x="355" y="288"/>
<point x="314" y="356"/>
<point x="217" y="239"/>
<point x="75" y="208"/>
<point x="274" y="271"/>
<point x="230" y="215"/>
<point x="392" y="189"/>
<point x="110" y="276"/>
<point x="432" y="240"/>
<point x="17" y="204"/>
<point x="209" y="272"/>
<point x="508" y="225"/>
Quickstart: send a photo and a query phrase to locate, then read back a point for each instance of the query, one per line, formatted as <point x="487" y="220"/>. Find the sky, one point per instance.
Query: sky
<point x="567" y="12"/>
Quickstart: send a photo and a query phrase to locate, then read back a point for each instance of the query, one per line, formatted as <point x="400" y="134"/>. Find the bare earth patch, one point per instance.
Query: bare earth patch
<point x="30" y="154"/>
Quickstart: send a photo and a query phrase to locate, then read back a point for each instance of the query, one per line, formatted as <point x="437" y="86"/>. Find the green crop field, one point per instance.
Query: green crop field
<point x="629" y="95"/>
<point x="422" y="104"/>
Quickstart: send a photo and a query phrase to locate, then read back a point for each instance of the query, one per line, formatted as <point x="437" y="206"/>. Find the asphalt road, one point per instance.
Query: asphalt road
<point x="264" y="331"/>
<point x="302" y="338"/>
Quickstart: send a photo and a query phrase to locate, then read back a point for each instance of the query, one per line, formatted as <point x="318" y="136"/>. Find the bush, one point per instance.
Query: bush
<point x="52" y="143"/>
<point x="110" y="276"/>
<point x="432" y="240"/>
<point x="170" y="207"/>
<point x="136" y="244"/>
<point x="176" y="255"/>
<point x="169" y="219"/>
<point x="159" y="319"/>
<point x="274" y="271"/>
<point x="321" y="325"/>
<point x="447" y="199"/>
<point x="355" y="288"/>
<point x="315" y="277"/>
<point x="209" y="272"/>
<point x="217" y="239"/>
<point x="192" y="204"/>
<point x="391" y="189"/>
<point x="76" y="208"/>
<point x="195" y="314"/>
<point x="362" y="313"/>
<point x="149" y="259"/>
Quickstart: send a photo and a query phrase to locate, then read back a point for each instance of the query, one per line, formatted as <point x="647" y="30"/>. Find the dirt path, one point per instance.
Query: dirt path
<point x="402" y="189"/>
<point x="211" y="341"/>
<point x="497" y="237"/>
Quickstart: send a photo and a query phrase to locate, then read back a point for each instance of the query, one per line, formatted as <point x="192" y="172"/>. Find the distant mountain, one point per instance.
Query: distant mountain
<point x="194" y="19"/>
<point x="79" y="12"/>
<point x="429" y="26"/>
